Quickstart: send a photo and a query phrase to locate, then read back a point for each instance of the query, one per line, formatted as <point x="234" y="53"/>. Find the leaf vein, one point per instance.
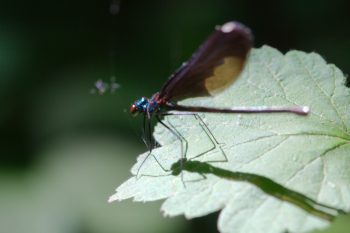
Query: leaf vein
<point x="266" y="152"/>
<point x="269" y="92"/>
<point x="323" y="92"/>
<point x="283" y="135"/>
<point x="314" y="159"/>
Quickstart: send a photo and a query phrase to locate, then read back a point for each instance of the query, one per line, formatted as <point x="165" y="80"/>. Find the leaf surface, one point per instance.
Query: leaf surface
<point x="308" y="154"/>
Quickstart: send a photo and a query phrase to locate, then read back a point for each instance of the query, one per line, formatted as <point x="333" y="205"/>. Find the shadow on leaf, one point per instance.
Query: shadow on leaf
<point x="265" y="184"/>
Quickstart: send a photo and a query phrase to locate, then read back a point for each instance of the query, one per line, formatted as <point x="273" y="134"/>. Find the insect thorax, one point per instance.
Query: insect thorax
<point x="147" y="105"/>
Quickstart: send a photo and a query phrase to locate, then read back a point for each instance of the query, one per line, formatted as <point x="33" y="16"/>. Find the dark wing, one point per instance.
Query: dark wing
<point x="215" y="66"/>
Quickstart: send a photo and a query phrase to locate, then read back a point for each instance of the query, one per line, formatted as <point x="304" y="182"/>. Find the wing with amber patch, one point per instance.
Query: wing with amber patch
<point x="215" y="66"/>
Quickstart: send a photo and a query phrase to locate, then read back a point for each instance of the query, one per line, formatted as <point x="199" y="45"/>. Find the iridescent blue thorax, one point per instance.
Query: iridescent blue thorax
<point x="145" y="105"/>
<point x="142" y="104"/>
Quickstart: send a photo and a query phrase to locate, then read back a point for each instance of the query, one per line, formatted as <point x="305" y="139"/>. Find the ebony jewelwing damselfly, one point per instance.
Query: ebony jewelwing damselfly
<point x="216" y="65"/>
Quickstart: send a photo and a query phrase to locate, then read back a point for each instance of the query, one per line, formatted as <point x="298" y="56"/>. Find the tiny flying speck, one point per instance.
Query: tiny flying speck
<point x="102" y="87"/>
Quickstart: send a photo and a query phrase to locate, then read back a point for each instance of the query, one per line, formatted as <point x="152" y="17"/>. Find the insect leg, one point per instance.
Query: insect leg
<point x="147" y="141"/>
<point x="207" y="131"/>
<point x="180" y="138"/>
<point x="209" y="134"/>
<point x="212" y="138"/>
<point x="144" y="138"/>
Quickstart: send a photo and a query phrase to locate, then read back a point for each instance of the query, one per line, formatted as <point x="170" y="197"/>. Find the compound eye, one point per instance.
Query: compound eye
<point x="133" y="110"/>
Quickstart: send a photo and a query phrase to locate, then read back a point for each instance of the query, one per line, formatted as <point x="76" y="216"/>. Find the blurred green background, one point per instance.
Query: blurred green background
<point x="63" y="149"/>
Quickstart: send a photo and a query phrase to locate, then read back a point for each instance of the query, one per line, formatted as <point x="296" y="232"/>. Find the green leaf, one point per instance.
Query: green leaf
<point x="307" y="154"/>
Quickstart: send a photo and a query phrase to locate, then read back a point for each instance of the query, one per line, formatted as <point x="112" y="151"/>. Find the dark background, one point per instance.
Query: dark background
<point x="63" y="149"/>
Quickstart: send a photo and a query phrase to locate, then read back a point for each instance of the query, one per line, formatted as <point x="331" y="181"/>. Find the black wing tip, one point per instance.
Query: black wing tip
<point x="235" y="27"/>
